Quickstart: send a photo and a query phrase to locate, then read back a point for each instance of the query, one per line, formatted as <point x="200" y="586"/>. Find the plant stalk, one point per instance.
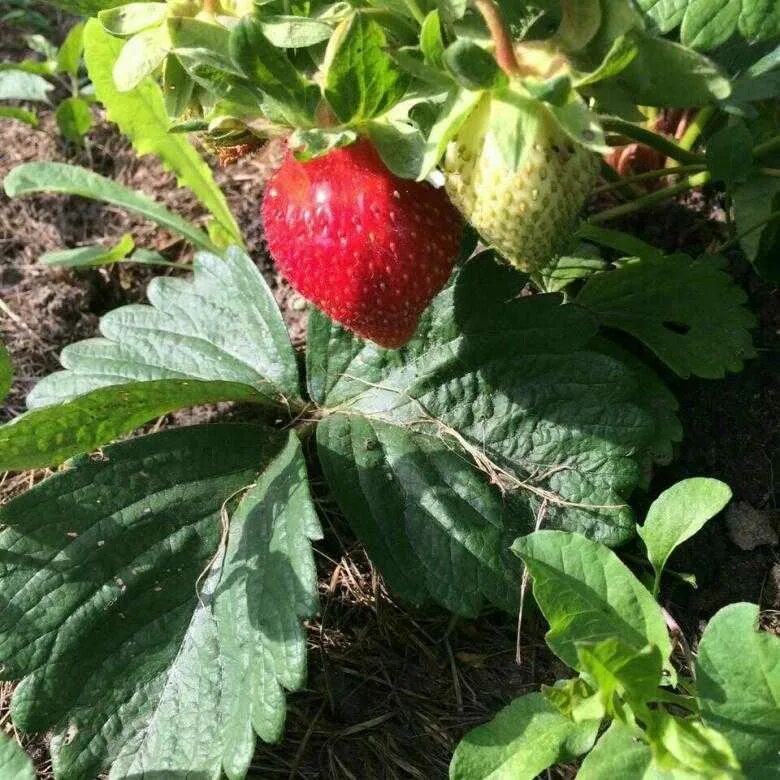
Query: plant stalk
<point x="415" y="11"/>
<point x="654" y="140"/>
<point x="768" y="146"/>
<point x="505" y="48"/>
<point x="648" y="175"/>
<point x="651" y="198"/>
<point x="691" y="135"/>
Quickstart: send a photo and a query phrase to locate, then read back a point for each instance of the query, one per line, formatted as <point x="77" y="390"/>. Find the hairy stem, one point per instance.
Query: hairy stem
<point x="505" y="49"/>
<point x="649" y="138"/>
<point x="648" y="175"/>
<point x="415" y="11"/>
<point x="689" y="182"/>
<point x="691" y="135"/>
<point x="767" y="146"/>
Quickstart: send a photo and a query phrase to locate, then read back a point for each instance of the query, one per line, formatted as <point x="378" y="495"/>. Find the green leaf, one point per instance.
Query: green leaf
<point x="15" y="764"/>
<point x="6" y="372"/>
<point x="454" y="112"/>
<point x="663" y="73"/>
<point x="177" y="87"/>
<point x="361" y="79"/>
<point x="400" y="145"/>
<point x="137" y="58"/>
<point x="49" y="436"/>
<point x="20" y="85"/>
<point x="620" y="753"/>
<point x="588" y="595"/>
<point x="20" y="114"/>
<point x="622" y="675"/>
<point x="103" y="619"/>
<point x="187" y="33"/>
<point x="754" y="203"/>
<point x="69" y="54"/>
<point x="74" y="119"/>
<point x="522" y="741"/>
<point x="738" y="676"/>
<point x="575" y="699"/>
<point x="492" y="388"/>
<point x="620" y="55"/>
<point x="579" y="23"/>
<point x="308" y="144"/>
<point x="141" y="116"/>
<point x="679" y="513"/>
<point x="292" y="32"/>
<point x="709" y="23"/>
<point x="730" y="155"/>
<point x="688" y="747"/>
<point x="90" y="256"/>
<point x="431" y="41"/>
<point x="471" y="66"/>
<point x="657" y="398"/>
<point x="562" y="270"/>
<point x="269" y="69"/>
<point x="449" y="534"/>
<point x="257" y="647"/>
<point x="132" y="18"/>
<point x="688" y="312"/>
<point x="625" y="243"/>
<point x="30" y="178"/>
<point x="85" y="7"/>
<point x="222" y="326"/>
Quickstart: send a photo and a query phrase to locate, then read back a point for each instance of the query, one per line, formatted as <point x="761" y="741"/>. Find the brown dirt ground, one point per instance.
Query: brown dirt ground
<point x="390" y="690"/>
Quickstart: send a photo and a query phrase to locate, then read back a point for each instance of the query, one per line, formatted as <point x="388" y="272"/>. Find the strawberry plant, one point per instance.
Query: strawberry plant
<point x="482" y="360"/>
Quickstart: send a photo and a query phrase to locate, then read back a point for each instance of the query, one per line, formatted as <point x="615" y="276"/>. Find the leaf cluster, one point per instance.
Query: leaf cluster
<point x="629" y="712"/>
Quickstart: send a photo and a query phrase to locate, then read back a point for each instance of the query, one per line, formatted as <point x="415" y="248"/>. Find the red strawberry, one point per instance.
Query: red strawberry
<point x="368" y="248"/>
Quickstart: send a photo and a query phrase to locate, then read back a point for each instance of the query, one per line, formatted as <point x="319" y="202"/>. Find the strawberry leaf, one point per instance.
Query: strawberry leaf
<point x="361" y="79"/>
<point x="49" y="436"/>
<point x="222" y="326"/>
<point x="269" y="69"/>
<point x="483" y="395"/>
<point x="103" y="620"/>
<point x="15" y="764"/>
<point x="689" y="312"/>
<point x="756" y="205"/>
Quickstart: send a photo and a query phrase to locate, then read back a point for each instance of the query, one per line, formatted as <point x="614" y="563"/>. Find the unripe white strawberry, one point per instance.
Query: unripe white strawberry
<point x="527" y="212"/>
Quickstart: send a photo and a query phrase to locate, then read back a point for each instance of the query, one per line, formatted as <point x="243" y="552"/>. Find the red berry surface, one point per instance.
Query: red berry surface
<point x="368" y="248"/>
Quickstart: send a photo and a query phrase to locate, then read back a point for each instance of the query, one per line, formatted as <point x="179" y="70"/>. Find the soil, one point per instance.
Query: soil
<point x="390" y="690"/>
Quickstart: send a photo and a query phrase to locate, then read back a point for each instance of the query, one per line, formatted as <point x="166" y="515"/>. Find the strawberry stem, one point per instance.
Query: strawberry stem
<point x="651" y="139"/>
<point x="689" y="182"/>
<point x="691" y="135"/>
<point x="656" y="174"/>
<point x="505" y="48"/>
<point x="768" y="146"/>
<point x="415" y="11"/>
